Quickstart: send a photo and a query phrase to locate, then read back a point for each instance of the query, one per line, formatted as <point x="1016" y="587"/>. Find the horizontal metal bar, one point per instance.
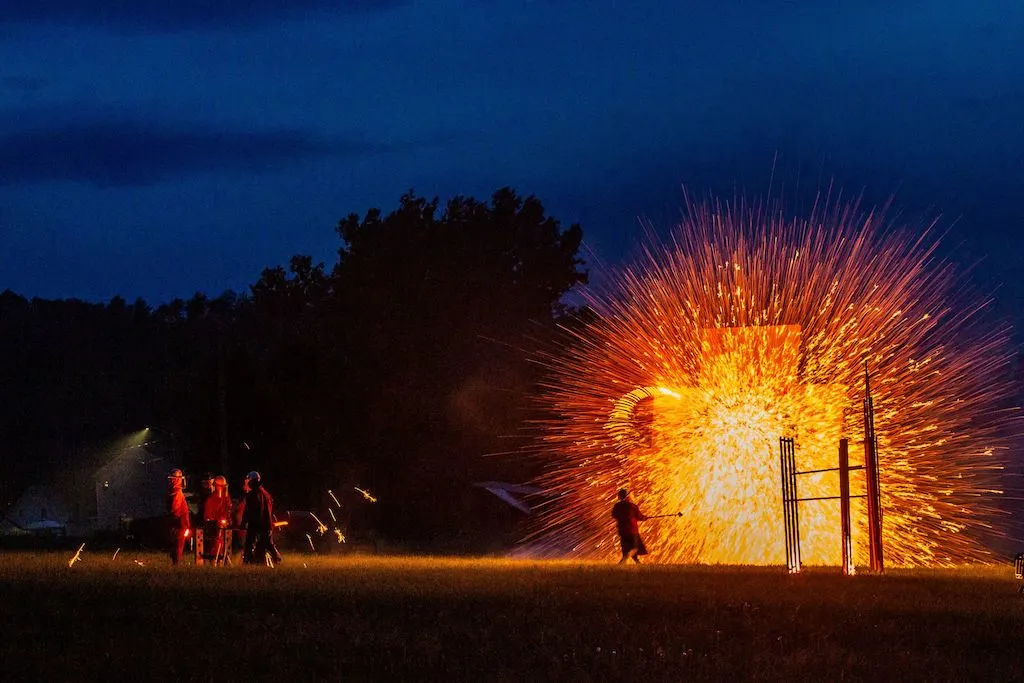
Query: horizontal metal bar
<point x="830" y="469"/>
<point x="827" y="469"/>
<point x="800" y="500"/>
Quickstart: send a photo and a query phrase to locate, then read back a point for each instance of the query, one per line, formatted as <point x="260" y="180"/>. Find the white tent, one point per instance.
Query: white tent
<point x="39" y="510"/>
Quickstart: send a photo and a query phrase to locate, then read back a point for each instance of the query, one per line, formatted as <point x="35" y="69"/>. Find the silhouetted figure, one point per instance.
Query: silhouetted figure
<point x="626" y="515"/>
<point x="180" y="524"/>
<point x="258" y="521"/>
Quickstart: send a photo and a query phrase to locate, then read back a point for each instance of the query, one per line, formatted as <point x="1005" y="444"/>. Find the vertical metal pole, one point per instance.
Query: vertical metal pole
<point x="871" y="475"/>
<point x="878" y="499"/>
<point x="784" y="471"/>
<point x="785" y="499"/>
<point x="794" y="505"/>
<point x="790" y="506"/>
<point x="844" y="505"/>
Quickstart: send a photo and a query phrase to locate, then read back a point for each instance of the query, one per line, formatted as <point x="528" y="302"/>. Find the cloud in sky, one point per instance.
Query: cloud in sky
<point x="132" y="151"/>
<point x="174" y="15"/>
<point x="254" y="122"/>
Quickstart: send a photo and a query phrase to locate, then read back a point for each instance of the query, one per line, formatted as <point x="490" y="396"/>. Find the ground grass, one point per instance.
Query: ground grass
<point x="374" y="618"/>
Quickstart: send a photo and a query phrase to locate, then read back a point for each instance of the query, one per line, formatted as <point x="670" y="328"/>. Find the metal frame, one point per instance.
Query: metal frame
<point x="223" y="558"/>
<point x="791" y="502"/>
<point x="791" y="498"/>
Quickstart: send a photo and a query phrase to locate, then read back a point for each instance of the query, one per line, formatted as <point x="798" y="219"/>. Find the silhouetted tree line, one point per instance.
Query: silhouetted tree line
<point x="399" y="369"/>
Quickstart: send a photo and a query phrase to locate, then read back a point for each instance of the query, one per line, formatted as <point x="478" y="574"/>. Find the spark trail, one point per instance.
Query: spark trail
<point x="748" y="326"/>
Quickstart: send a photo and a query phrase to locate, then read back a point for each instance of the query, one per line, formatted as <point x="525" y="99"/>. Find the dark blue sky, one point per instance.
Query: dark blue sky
<point x="153" y="148"/>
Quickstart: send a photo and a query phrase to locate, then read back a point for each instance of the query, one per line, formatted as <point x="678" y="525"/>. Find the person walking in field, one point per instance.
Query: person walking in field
<point x="177" y="511"/>
<point x="626" y="515"/>
<point x="258" y="522"/>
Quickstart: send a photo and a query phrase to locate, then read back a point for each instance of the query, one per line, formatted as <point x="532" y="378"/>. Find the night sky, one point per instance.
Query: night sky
<point x="156" y="148"/>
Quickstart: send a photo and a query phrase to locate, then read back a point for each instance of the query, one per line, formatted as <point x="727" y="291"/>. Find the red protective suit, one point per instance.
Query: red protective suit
<point x="180" y="523"/>
<point x="216" y="518"/>
<point x="217" y="509"/>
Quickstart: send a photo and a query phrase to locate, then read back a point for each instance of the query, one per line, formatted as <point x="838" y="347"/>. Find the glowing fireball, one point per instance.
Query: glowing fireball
<point x="750" y="326"/>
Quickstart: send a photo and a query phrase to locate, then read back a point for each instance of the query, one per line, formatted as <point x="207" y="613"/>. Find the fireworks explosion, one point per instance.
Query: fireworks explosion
<point x="750" y="326"/>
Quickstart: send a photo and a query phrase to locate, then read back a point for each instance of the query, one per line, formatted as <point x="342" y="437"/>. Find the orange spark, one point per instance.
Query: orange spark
<point x="366" y="494"/>
<point x="76" y="557"/>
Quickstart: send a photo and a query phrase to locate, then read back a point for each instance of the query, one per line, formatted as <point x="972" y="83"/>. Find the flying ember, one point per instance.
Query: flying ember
<point x="750" y="326"/>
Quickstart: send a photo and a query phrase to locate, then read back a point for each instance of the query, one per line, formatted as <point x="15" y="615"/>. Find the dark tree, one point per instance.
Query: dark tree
<point x="442" y="309"/>
<point x="294" y="378"/>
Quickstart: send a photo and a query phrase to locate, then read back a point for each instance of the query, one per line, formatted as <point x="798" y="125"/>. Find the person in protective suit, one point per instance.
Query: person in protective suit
<point x="216" y="519"/>
<point x="626" y="515"/>
<point x="180" y="525"/>
<point x="258" y="522"/>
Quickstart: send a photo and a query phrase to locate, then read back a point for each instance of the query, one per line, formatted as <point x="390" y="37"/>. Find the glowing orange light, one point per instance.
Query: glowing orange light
<point x="751" y="326"/>
<point x="366" y="495"/>
<point x="76" y="557"/>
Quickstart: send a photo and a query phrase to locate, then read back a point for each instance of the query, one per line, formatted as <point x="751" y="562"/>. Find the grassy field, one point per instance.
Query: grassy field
<point x="379" y="618"/>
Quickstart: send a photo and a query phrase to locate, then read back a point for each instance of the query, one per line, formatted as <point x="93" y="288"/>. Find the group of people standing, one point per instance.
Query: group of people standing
<point x="251" y="520"/>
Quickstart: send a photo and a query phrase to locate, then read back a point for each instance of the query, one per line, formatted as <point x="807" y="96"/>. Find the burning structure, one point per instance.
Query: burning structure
<point x="750" y="326"/>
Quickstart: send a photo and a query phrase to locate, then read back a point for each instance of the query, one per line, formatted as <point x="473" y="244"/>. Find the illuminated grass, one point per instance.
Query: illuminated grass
<point x="430" y="619"/>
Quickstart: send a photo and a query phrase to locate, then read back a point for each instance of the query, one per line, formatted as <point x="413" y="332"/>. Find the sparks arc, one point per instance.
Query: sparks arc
<point x="749" y="325"/>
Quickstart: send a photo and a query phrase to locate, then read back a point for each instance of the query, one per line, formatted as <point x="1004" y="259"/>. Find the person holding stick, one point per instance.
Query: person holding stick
<point x="626" y="515"/>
